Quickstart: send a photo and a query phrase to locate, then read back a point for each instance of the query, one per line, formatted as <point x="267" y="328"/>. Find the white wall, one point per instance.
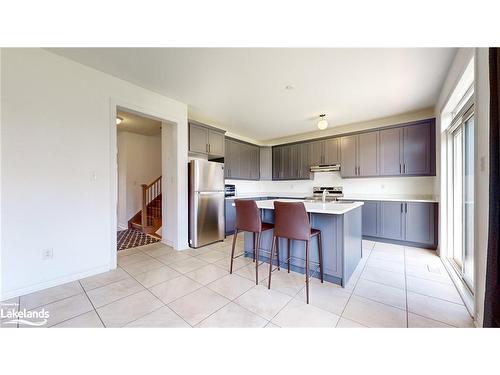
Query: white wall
<point x="58" y="187"/>
<point x="139" y="162"/>
<point x="385" y="186"/>
<point x="482" y="135"/>
<point x="358" y="126"/>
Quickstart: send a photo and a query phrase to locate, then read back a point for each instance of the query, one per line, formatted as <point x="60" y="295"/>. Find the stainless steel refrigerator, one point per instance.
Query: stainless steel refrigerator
<point x="206" y="202"/>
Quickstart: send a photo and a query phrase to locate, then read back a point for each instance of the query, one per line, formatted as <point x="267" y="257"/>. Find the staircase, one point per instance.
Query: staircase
<point x="148" y="220"/>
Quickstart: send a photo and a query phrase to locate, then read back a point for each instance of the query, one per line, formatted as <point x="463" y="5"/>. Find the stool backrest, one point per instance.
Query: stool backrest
<point x="247" y="215"/>
<point x="291" y="221"/>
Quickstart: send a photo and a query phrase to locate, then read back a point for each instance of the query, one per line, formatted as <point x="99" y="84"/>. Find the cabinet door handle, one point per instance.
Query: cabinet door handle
<point x="404" y="168"/>
<point x="400" y="168"/>
<point x="406" y="208"/>
<point x="401" y="207"/>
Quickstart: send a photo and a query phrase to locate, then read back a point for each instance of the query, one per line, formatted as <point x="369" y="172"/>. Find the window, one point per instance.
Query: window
<point x="461" y="178"/>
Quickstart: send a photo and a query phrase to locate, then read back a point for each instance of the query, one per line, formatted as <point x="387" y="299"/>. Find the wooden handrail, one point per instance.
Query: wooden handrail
<point x="152" y="183"/>
<point x="149" y="193"/>
<point x="144" y="214"/>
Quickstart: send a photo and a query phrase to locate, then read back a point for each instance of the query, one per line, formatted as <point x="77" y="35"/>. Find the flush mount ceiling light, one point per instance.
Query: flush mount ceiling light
<point x="322" y="123"/>
<point x="119" y="120"/>
<point x="289" y="87"/>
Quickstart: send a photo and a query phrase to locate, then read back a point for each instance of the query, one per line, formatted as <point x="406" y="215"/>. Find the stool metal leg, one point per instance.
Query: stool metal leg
<point x="257" y="259"/>
<point x="307" y="271"/>
<point x="289" y="245"/>
<point x="273" y="249"/>
<point x="254" y="237"/>
<point x="320" y="256"/>
<point x="232" y="250"/>
<point x="278" y="251"/>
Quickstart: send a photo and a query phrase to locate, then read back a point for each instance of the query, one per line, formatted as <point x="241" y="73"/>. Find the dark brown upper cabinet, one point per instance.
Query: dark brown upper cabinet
<point x="359" y="155"/>
<point x="418" y="150"/>
<point x="206" y="140"/>
<point x="349" y="156"/>
<point x="242" y="160"/>
<point x="408" y="150"/>
<point x="292" y="162"/>
<point x="326" y="151"/>
<point x="317" y="154"/>
<point x="331" y="151"/>
<point x="390" y="151"/>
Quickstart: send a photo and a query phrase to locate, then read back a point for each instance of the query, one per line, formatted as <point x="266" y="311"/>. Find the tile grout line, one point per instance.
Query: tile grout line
<point x="230" y="300"/>
<point x="286" y="304"/>
<point x="406" y="288"/>
<point x="154" y="295"/>
<point x="107" y="284"/>
<point x="92" y="304"/>
<point x="357" y="281"/>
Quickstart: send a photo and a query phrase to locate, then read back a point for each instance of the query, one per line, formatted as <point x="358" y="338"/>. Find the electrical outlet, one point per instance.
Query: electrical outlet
<point x="47" y="254"/>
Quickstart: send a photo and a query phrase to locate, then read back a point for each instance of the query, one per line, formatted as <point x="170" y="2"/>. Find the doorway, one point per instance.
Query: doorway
<point x="139" y="170"/>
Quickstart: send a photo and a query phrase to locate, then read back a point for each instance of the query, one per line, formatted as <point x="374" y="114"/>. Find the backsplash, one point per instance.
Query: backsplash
<point x="380" y="185"/>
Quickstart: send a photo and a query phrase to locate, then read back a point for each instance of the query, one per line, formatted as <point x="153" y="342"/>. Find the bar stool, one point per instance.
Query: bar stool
<point x="248" y="220"/>
<point x="291" y="221"/>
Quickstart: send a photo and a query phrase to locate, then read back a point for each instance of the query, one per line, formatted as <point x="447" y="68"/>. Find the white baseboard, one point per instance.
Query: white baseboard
<point x="54" y="282"/>
<point x="122" y="226"/>
<point x="167" y="242"/>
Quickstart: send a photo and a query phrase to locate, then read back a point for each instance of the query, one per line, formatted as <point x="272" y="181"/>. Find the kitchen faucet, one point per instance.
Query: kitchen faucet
<point x="325" y="193"/>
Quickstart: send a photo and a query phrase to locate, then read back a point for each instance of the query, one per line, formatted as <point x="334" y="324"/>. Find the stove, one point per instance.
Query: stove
<point x="332" y="193"/>
<point x="229" y="190"/>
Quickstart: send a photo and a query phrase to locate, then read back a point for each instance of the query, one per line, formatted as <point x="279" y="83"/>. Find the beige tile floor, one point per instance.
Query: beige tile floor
<point x="156" y="286"/>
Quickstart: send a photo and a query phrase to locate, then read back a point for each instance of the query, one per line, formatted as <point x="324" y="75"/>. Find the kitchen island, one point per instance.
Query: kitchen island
<point x="340" y="225"/>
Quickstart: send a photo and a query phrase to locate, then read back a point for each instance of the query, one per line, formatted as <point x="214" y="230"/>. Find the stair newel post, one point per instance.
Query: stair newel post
<point x="144" y="205"/>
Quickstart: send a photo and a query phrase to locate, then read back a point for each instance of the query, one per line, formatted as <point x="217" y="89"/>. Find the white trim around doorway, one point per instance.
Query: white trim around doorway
<point x="174" y="175"/>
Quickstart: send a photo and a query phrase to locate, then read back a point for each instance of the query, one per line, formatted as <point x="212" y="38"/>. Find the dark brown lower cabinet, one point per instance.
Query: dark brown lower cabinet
<point x="370" y="218"/>
<point x="391" y="220"/>
<point x="406" y="222"/>
<point x="420" y="222"/>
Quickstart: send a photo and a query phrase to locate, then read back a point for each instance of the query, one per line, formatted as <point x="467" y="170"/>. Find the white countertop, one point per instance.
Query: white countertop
<point x="348" y="197"/>
<point x="390" y="198"/>
<point x="331" y="208"/>
<point x="272" y="194"/>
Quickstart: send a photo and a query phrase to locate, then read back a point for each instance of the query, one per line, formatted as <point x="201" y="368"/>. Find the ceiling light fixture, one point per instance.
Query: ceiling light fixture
<point x="322" y="123"/>
<point x="289" y="87"/>
<point x="118" y="120"/>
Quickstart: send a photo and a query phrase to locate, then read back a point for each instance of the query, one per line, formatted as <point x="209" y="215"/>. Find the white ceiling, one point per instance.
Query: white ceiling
<point x="243" y="89"/>
<point x="137" y="124"/>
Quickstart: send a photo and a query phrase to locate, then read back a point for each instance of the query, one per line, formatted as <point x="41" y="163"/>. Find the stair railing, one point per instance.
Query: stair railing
<point x="149" y="193"/>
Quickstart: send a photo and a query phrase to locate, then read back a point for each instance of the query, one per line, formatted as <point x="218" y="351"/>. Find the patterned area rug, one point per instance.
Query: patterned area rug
<point x="133" y="238"/>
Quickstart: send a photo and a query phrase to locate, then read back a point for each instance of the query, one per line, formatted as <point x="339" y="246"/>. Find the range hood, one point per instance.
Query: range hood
<point x="325" y="168"/>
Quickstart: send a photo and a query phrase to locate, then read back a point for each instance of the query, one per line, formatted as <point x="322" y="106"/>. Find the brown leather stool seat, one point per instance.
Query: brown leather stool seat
<point x="291" y="221"/>
<point x="248" y="220"/>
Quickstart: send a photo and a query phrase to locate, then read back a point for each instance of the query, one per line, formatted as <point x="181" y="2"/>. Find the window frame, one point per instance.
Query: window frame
<point x="464" y="111"/>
